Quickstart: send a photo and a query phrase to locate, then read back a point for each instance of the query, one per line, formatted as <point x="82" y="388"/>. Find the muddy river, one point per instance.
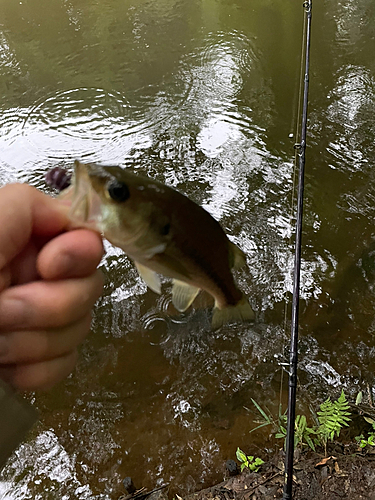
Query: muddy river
<point x="201" y="95"/>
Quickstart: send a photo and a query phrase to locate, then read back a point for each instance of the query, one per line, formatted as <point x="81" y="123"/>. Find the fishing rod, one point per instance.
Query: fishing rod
<point x="293" y="359"/>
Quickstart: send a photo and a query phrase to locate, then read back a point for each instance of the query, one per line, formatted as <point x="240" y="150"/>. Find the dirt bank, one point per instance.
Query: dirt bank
<point x="347" y="474"/>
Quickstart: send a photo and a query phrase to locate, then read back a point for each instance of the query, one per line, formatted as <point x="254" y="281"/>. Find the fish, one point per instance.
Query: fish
<point x="164" y="233"/>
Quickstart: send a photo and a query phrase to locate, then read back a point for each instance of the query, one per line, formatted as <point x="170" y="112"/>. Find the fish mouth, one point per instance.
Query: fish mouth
<point x="85" y="204"/>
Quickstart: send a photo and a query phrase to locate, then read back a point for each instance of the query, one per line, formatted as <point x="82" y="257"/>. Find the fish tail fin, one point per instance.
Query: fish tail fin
<point x="241" y="312"/>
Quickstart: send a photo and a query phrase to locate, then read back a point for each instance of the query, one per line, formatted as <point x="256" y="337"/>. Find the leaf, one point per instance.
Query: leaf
<point x="242" y="467"/>
<point x="302" y="423"/>
<point x="369" y="420"/>
<point x="264" y="415"/>
<point x="359" y="398"/>
<point x="325" y="460"/>
<point x="310" y="430"/>
<point x="333" y="416"/>
<point x="310" y="443"/>
<point x="259" y="426"/>
<point x="240" y="455"/>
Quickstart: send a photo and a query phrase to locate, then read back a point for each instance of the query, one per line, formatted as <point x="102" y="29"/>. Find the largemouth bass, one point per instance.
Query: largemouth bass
<point x="163" y="232"/>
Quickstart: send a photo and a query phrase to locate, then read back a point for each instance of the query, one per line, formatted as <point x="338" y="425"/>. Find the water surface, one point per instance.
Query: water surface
<point x="202" y="95"/>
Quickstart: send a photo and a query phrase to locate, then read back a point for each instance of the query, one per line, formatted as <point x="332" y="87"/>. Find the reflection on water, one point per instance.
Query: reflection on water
<point x="46" y="457"/>
<point x="200" y="95"/>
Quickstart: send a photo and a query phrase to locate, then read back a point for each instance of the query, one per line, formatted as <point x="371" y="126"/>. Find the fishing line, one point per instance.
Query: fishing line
<point x="293" y="357"/>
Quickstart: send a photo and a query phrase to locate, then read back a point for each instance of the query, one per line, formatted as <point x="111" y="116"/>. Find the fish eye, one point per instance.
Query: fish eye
<point x="118" y="191"/>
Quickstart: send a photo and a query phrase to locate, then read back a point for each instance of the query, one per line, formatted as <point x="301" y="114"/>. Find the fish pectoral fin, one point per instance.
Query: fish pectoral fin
<point x="183" y="295"/>
<point x="239" y="313"/>
<point x="237" y="257"/>
<point x="151" y="279"/>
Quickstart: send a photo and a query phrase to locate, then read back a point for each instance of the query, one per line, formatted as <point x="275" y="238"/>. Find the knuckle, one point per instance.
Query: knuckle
<point x="28" y="346"/>
<point x="43" y="376"/>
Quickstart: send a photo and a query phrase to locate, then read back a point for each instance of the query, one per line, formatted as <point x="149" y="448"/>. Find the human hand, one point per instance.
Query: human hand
<point x="48" y="286"/>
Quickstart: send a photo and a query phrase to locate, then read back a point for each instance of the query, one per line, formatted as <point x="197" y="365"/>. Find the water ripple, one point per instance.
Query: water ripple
<point x="222" y="63"/>
<point x="92" y="123"/>
<point x="218" y="70"/>
<point x="88" y="113"/>
<point x="353" y="24"/>
<point x="350" y="117"/>
<point x="349" y="99"/>
<point x="150" y="318"/>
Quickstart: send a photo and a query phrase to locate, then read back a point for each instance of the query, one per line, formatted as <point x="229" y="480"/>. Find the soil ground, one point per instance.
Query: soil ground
<point x="347" y="474"/>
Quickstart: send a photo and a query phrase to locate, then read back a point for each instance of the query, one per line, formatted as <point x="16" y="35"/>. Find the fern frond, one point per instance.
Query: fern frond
<point x="333" y="416"/>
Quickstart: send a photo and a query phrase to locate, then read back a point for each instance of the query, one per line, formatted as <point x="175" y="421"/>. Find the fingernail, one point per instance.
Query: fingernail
<point x="13" y="313"/>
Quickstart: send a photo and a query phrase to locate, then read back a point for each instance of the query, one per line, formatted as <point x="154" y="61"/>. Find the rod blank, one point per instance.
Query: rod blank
<point x="293" y="360"/>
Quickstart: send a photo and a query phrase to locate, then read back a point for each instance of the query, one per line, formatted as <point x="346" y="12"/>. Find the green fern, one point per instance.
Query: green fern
<point x="302" y="433"/>
<point x="333" y="416"/>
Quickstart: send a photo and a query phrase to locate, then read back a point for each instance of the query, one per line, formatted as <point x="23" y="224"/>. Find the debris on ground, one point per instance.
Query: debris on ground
<point x="349" y="475"/>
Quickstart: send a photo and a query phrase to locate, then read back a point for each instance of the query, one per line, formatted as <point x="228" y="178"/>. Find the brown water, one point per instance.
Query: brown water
<point x="203" y="96"/>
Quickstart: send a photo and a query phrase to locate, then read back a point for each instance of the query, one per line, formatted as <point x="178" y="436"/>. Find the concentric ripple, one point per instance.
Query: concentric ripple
<point x="222" y="63"/>
<point x="98" y="123"/>
<point x="87" y="113"/>
<point x="218" y="68"/>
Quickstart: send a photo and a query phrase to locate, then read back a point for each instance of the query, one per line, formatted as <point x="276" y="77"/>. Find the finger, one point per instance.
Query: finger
<point x="73" y="254"/>
<point x="39" y="376"/>
<point x="25" y="210"/>
<point x="48" y="304"/>
<point x="23" y="267"/>
<point x="41" y="345"/>
<point x="5" y="278"/>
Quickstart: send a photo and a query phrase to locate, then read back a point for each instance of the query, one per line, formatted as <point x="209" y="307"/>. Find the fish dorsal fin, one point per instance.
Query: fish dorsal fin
<point x="183" y="295"/>
<point x="237" y="257"/>
<point x="151" y="279"/>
